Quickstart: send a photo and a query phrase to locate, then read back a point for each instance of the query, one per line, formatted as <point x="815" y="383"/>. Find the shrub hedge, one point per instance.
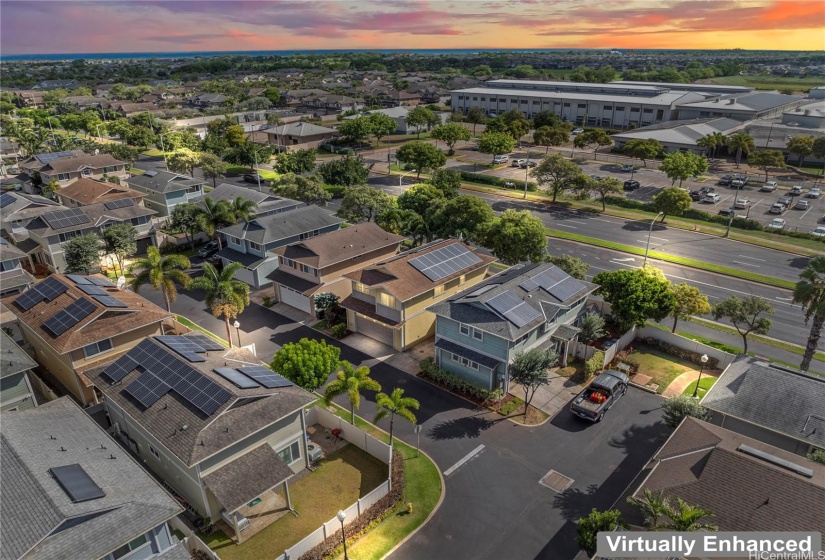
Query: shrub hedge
<point x="452" y="381"/>
<point x="494" y="181"/>
<point x="594" y="364"/>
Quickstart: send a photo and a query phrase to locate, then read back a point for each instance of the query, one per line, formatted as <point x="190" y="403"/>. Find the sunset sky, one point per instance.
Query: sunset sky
<point x="37" y="27"/>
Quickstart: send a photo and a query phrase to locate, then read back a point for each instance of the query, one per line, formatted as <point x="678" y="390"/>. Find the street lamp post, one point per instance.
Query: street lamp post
<point x="237" y="326"/>
<point x="257" y="171"/>
<point x="649" y="233"/>
<point x="341" y="516"/>
<point x="54" y="141"/>
<point x="162" y="149"/>
<point x="404" y="175"/>
<point x="704" y="360"/>
<point x="526" y="172"/>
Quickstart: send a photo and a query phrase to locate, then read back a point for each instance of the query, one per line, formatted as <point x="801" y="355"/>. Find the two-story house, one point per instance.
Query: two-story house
<point x="318" y="264"/>
<point x="389" y="299"/>
<point x="52" y="230"/>
<point x="331" y="104"/>
<point x="18" y="210"/>
<point x="266" y="203"/>
<point x="15" y="388"/>
<point x="35" y="162"/>
<point x="250" y="243"/>
<point x="69" y="169"/>
<point x="13" y="277"/>
<point x="208" y="100"/>
<point x="70" y="492"/>
<point x="478" y="331"/>
<point x="224" y="432"/>
<point x="298" y="135"/>
<point x="163" y="190"/>
<point x="88" y="191"/>
<point x="75" y="323"/>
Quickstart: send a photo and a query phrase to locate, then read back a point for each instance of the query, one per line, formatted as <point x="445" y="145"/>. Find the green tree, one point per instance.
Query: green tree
<point x="396" y="220"/>
<point x="381" y="125"/>
<point x="307" y="363"/>
<point x="547" y="118"/>
<point x="272" y="94"/>
<point x="767" y="159"/>
<point x="213" y="167"/>
<point x="744" y="315"/>
<point x="653" y="506"/>
<point x="603" y="188"/>
<point x="817" y="456"/>
<point x="672" y="201"/>
<point x="496" y="143"/>
<point x="818" y="149"/>
<point x="476" y="116"/>
<point x="82" y="253"/>
<point x="249" y="154"/>
<point x="49" y="189"/>
<point x="809" y="292"/>
<point x="162" y="272"/>
<point x="689" y="302"/>
<point x="481" y="70"/>
<point x="298" y="161"/>
<point x="352" y="381"/>
<point x="547" y="136"/>
<point x="395" y="404"/>
<point x="215" y="140"/>
<point x="183" y="160"/>
<point x="226" y="296"/>
<point x="214" y="216"/>
<point x="356" y="129"/>
<point x="591" y="326"/>
<point x="235" y="136"/>
<point x="421" y="117"/>
<point x="515" y="237"/>
<point x="364" y="203"/>
<point x="119" y="241"/>
<point x="73" y="122"/>
<point x="186" y="219"/>
<point x="123" y="152"/>
<point x="685" y="517"/>
<point x="740" y="143"/>
<point x="573" y="266"/>
<point x="140" y="137"/>
<point x="683" y="166"/>
<point x="308" y="190"/>
<point x="558" y="174"/>
<point x="595" y="139"/>
<point x="241" y="209"/>
<point x="182" y="139"/>
<point x="636" y="295"/>
<point x="801" y="146"/>
<point x="422" y="155"/>
<point x="468" y="216"/>
<point x="530" y="369"/>
<point x="643" y="149"/>
<point x="347" y="171"/>
<point x="711" y="143"/>
<point x="678" y="407"/>
<point x="448" y="181"/>
<point x="450" y="133"/>
<point x="587" y="528"/>
<point x="419" y="198"/>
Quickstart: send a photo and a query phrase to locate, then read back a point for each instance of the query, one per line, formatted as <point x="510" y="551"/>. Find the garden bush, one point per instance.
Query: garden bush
<point x="689" y="355"/>
<point x="510" y="406"/>
<point x="339" y="330"/>
<point x="452" y="381"/>
<point x="594" y="364"/>
<point x="494" y="181"/>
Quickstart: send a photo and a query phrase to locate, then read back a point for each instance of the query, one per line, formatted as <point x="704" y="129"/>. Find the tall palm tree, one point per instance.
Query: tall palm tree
<point x="685" y="517"/>
<point x="226" y="296"/>
<point x="653" y="506"/>
<point x="740" y="143"/>
<point x="241" y="209"/>
<point x="708" y="142"/>
<point x="810" y="293"/>
<point x="351" y="381"/>
<point x="720" y="141"/>
<point x="215" y="215"/>
<point x="162" y="272"/>
<point x="395" y="403"/>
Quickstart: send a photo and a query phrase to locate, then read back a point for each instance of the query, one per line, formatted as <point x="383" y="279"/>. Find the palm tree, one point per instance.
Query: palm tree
<point x="241" y="209"/>
<point x="708" y="142"/>
<point x="225" y="296"/>
<point x="685" y="517"/>
<point x="653" y="506"/>
<point x="162" y="272"/>
<point x="351" y="381"/>
<point x="810" y="293"/>
<point x="395" y="403"/>
<point x="215" y="216"/>
<point x="740" y="143"/>
<point x="720" y="140"/>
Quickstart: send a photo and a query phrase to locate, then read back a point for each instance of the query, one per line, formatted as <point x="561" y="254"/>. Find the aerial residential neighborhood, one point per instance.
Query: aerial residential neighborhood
<point x="364" y="280"/>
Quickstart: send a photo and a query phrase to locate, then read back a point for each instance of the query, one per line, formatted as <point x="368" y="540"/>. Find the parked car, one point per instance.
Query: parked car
<point x="776" y="223"/>
<point x="208" y="250"/>
<point x="597" y="177"/>
<point x="253" y="178"/>
<point x="796" y="190"/>
<point x="700" y="194"/>
<point x="727" y="212"/>
<point x="509" y="185"/>
<point x="725" y="180"/>
<point x="786" y="200"/>
<point x="518" y="162"/>
<point x="631" y="185"/>
<point x="802" y="204"/>
<point x="743" y="178"/>
<point x="501" y="159"/>
<point x="215" y="259"/>
<point x="818" y="231"/>
<point x="814" y="192"/>
<point x="627" y="168"/>
<point x="712" y="198"/>
<point x="742" y="203"/>
<point x="578" y="130"/>
<point x="597" y="398"/>
<point x="770" y="186"/>
<point x="777" y="208"/>
<point x="737" y="184"/>
<point x="528" y="163"/>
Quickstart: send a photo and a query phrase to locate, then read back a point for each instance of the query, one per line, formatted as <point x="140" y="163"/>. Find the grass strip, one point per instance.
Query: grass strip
<point x="779" y="283"/>
<point x="187" y="323"/>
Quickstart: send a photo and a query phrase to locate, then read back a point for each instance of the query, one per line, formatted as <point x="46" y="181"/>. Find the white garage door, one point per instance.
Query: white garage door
<point x="373" y="330"/>
<point x="295" y="299"/>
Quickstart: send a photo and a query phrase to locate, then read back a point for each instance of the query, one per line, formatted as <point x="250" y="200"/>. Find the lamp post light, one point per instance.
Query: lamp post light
<point x="341" y="516"/>
<point x="404" y="175"/>
<point x="54" y="142"/>
<point x="526" y="172"/>
<point x="704" y="360"/>
<point x="237" y="326"/>
<point x="649" y="232"/>
<point x="162" y="149"/>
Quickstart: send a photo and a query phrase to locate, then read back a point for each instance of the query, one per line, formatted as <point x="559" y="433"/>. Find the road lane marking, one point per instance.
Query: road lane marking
<point x="746" y="264"/>
<point x="659" y="238"/>
<point x="463" y="460"/>
<point x="628" y="259"/>
<point x="567" y="226"/>
<point x="751" y="258"/>
<point x="577" y="222"/>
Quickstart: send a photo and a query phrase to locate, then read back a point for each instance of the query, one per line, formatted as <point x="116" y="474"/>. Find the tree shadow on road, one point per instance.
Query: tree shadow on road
<point x="461" y="428"/>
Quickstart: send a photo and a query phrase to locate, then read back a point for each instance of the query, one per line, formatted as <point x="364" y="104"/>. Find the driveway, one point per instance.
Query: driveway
<point x="494" y="506"/>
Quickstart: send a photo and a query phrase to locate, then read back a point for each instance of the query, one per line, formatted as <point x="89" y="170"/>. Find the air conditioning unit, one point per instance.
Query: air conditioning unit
<point x="314" y="451"/>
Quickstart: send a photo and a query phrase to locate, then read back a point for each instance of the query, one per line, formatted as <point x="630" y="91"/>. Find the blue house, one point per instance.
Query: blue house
<point x="478" y="331"/>
<point x="163" y="190"/>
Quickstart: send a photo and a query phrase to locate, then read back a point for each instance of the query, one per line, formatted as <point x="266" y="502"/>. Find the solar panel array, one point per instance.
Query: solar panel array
<point x="6" y="199"/>
<point x="512" y="308"/>
<point x="77" y="483"/>
<point x="205" y="342"/>
<point x="69" y="317"/>
<point x="78" y="279"/>
<point x="445" y="261"/>
<point x="237" y="378"/>
<point x="544" y="280"/>
<point x="265" y="376"/>
<point x="51" y="156"/>
<point x="98" y="281"/>
<point x="183" y="346"/>
<point x="147" y="389"/>
<point x="92" y="290"/>
<point x="120" y="368"/>
<point x="120" y="203"/>
<point x="66" y="218"/>
<point x="566" y="289"/>
<point x="48" y="289"/>
<point x="109" y="301"/>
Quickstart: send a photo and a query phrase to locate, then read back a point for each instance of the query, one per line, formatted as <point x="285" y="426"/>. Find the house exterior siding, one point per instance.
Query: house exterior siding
<point x="484" y="376"/>
<point x="490" y="345"/>
<point x="16" y="393"/>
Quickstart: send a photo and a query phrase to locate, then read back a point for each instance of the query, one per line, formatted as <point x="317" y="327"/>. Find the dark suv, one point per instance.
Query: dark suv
<point x="208" y="250"/>
<point x="701" y="193"/>
<point x="726" y="180"/>
<point x="631" y="185"/>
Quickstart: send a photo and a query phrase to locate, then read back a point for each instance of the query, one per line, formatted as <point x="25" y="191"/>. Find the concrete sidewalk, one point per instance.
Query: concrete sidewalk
<point x="552" y="397"/>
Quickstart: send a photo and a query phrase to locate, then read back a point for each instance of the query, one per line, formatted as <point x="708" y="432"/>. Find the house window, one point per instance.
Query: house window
<point x="287" y="262"/>
<point x="478" y="335"/>
<point x="86" y="172"/>
<point x="582" y="105"/>
<point x="254" y="246"/>
<point x="66" y="236"/>
<point x="438" y="290"/>
<point x="660" y="114"/>
<point x="140" y="220"/>
<point x="464" y="361"/>
<point x="524" y="102"/>
<point x="63" y="177"/>
<point x="608" y="108"/>
<point x="129" y="547"/>
<point x="290" y="453"/>
<point x="97" y="347"/>
<point x="492" y="100"/>
<point x="386" y="300"/>
<point x="647" y="111"/>
<point x="154" y="452"/>
<point x="464" y="329"/>
<point x="306" y="269"/>
<point x="308" y="234"/>
<point x="514" y="101"/>
<point x="619" y="108"/>
<point x="110" y="169"/>
<point x="234" y="240"/>
<point x="567" y="105"/>
<point x="359" y="287"/>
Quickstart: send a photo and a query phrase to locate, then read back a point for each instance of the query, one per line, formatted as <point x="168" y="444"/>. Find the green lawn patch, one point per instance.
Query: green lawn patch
<point x="136" y="171"/>
<point x="243" y="169"/>
<point x="712" y="343"/>
<point x="187" y="323"/>
<point x="661" y="367"/>
<point x="334" y="190"/>
<point x="769" y="82"/>
<point x="320" y="325"/>
<point x="704" y="385"/>
<point x="154" y="152"/>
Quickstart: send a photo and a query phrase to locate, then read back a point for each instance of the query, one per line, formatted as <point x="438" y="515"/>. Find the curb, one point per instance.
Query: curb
<point x="642" y="388"/>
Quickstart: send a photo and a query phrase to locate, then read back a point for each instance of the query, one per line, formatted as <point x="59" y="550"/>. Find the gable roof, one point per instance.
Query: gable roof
<point x="33" y="505"/>
<point x="273" y="227"/>
<point x="473" y="307"/>
<point x="98" y="215"/>
<point x="399" y="278"/>
<point x="89" y="191"/>
<point x="14" y="359"/>
<point x="299" y="129"/>
<point x="341" y="245"/>
<point x="244" y="413"/>
<point x="26" y="206"/>
<point x="704" y="465"/>
<point x="74" y="164"/>
<point x="164" y="181"/>
<point x="761" y="393"/>
<point x="265" y="202"/>
<point x="102" y="323"/>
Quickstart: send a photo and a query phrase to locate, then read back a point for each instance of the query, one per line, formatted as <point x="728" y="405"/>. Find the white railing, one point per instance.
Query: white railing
<point x="191" y="540"/>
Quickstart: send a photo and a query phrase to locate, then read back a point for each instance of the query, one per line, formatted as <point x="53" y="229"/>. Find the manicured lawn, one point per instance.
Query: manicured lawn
<point x="153" y="152"/>
<point x="187" y="323"/>
<point x="337" y="483"/>
<point x="241" y="169"/>
<point x="706" y="383"/>
<point x="662" y="368"/>
<point x="769" y="82"/>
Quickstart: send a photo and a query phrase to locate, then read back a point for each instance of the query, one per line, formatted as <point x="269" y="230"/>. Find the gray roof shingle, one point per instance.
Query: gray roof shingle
<point x="271" y="228"/>
<point x="14" y="359"/>
<point x="163" y="182"/>
<point x="264" y="202"/>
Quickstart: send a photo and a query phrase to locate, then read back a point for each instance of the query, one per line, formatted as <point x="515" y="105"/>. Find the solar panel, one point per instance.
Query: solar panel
<point x="69" y="317"/>
<point x="109" y="301"/>
<point x="566" y="289"/>
<point x="100" y="281"/>
<point x="234" y="376"/>
<point x="511" y="307"/>
<point x="120" y="203"/>
<point x="65" y="218"/>
<point x="51" y="156"/>
<point x="78" y="279"/>
<point x="77" y="483"/>
<point x="92" y="290"/>
<point x="444" y="261"/>
<point x="150" y="173"/>
<point x="529" y="285"/>
<point x="6" y="199"/>
<point x="205" y="342"/>
<point x="183" y="346"/>
<point x="265" y="376"/>
<point x="120" y="368"/>
<point x="47" y="289"/>
<point x="147" y="389"/>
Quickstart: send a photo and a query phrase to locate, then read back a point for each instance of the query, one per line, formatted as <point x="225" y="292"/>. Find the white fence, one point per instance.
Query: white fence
<point x="724" y="358"/>
<point x="352" y="434"/>
<point x="191" y="540"/>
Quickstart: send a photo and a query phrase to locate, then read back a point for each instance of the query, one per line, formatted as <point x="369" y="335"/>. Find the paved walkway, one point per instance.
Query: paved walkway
<point x="552" y="397"/>
<point x="683" y="381"/>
